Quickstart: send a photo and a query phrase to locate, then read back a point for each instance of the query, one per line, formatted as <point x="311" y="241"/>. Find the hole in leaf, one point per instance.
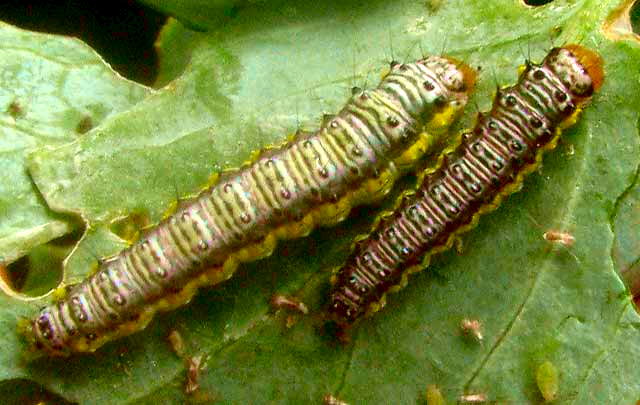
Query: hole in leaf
<point x="634" y="17"/>
<point x="41" y="269"/>
<point x="536" y="3"/>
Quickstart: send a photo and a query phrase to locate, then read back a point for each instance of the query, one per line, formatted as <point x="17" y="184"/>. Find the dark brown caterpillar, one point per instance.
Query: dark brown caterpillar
<point x="471" y="178"/>
<point x="313" y="179"/>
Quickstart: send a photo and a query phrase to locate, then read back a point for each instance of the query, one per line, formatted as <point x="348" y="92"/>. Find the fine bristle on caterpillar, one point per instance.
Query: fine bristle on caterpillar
<point x="471" y="178"/>
<point x="282" y="193"/>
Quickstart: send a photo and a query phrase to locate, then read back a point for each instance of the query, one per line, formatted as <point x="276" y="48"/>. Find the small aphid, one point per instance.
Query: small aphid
<point x="547" y="380"/>
<point x="282" y="301"/>
<point x="472" y="327"/>
<point x="176" y="342"/>
<point x="473" y="398"/>
<point x="331" y="400"/>
<point x="194" y="364"/>
<point x="562" y="238"/>
<point x="434" y="396"/>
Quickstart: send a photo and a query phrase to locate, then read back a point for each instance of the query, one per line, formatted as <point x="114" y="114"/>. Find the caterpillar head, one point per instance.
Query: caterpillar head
<point x="433" y="90"/>
<point x="579" y="69"/>
<point x="43" y="336"/>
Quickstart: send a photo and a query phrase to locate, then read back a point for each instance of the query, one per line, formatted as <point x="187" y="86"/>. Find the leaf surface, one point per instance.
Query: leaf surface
<point x="52" y="90"/>
<point x="281" y="65"/>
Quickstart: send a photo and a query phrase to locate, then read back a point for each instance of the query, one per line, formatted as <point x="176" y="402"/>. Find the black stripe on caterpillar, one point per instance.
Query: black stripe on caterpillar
<point x="284" y="192"/>
<point x="471" y="178"/>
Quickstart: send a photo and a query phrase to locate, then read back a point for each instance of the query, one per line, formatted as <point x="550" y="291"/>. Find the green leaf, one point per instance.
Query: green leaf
<point x="626" y="248"/>
<point x="249" y="85"/>
<point x="52" y="89"/>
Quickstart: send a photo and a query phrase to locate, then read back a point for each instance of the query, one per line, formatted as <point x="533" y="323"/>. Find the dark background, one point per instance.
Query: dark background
<point x="121" y="31"/>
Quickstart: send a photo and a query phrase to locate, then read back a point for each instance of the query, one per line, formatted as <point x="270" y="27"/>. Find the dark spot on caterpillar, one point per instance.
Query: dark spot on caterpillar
<point x="439" y="101"/>
<point x="538" y="74"/>
<point x="323" y="172"/>
<point x="516" y="145"/>
<point x="561" y="96"/>
<point x="535" y="122"/>
<point x="568" y="109"/>
<point x="429" y="86"/>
